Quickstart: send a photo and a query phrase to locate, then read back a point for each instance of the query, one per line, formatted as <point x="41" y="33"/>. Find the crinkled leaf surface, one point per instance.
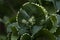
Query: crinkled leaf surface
<point x="28" y="10"/>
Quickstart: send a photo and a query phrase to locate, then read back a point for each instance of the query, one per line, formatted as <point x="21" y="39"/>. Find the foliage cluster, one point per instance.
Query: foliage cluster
<point x="30" y="20"/>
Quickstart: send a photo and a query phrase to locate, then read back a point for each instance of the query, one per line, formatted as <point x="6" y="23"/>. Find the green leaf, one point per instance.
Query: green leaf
<point x="14" y="30"/>
<point x="53" y="29"/>
<point x="35" y="29"/>
<point x="44" y="35"/>
<point x="12" y="19"/>
<point x="54" y="21"/>
<point x="33" y="9"/>
<point x="57" y="31"/>
<point x="29" y="10"/>
<point x="48" y="24"/>
<point x="50" y="7"/>
<point x="6" y="20"/>
<point x="58" y="18"/>
<point x="25" y="37"/>
<point x="14" y="37"/>
<point x="9" y="35"/>
<point x="51" y="22"/>
<point x="22" y="18"/>
<point x="22" y="31"/>
<point x="53" y="18"/>
<point x="2" y="37"/>
<point x="58" y="4"/>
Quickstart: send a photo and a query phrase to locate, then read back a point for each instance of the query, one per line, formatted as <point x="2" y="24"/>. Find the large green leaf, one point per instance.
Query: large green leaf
<point x="44" y="35"/>
<point x="29" y="10"/>
<point x="33" y="9"/>
<point x="27" y="16"/>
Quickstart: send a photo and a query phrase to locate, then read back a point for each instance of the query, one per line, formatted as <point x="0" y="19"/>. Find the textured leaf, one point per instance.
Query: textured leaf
<point x="34" y="10"/>
<point x="25" y="37"/>
<point x="51" y="22"/>
<point x="44" y="35"/>
<point x="50" y="7"/>
<point x="27" y="16"/>
<point x="22" y="18"/>
<point x="31" y="9"/>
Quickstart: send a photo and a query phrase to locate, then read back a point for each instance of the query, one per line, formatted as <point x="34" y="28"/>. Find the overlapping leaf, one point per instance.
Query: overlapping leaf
<point x="30" y="9"/>
<point x="50" y="7"/>
<point x="44" y="35"/>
